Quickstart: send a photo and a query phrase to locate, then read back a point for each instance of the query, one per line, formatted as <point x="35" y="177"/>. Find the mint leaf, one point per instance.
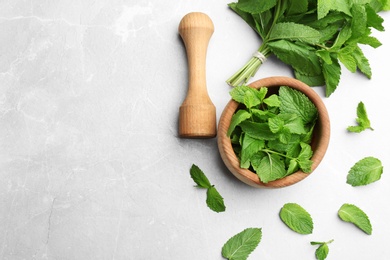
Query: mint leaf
<point x="294" y="32"/>
<point x="269" y="167"/>
<point x="365" y="171"/>
<point x="353" y="214"/>
<point x="255" y="6"/>
<point x="214" y="200"/>
<point x="250" y="146"/>
<point x="331" y="74"/>
<point x="323" y="249"/>
<point x="295" y="102"/>
<point x="362" y="120"/>
<point x="296" y="218"/>
<point x="237" y="118"/>
<point x="241" y="245"/>
<point x="199" y="177"/>
<point x="324" y="6"/>
<point x="257" y="130"/>
<point x="246" y="95"/>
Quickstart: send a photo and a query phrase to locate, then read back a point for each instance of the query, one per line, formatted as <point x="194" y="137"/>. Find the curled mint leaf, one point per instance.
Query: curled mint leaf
<point x="296" y="218"/>
<point x="199" y="177"/>
<point x="241" y="245"/>
<point x="365" y="171"/>
<point x="353" y="214"/>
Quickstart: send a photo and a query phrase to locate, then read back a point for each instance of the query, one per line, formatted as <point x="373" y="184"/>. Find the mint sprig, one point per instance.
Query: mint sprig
<point x="214" y="200"/>
<point x="362" y="120"/>
<point x="322" y="249"/>
<point x="314" y="37"/>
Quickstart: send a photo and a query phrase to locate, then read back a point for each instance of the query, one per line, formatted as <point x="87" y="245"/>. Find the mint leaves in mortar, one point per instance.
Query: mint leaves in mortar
<point x="271" y="134"/>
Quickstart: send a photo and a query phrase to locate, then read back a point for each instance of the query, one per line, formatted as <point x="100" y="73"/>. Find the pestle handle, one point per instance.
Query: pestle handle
<point x="197" y="115"/>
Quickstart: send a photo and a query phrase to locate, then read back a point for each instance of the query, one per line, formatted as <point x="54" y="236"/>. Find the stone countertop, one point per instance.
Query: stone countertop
<point x="91" y="165"/>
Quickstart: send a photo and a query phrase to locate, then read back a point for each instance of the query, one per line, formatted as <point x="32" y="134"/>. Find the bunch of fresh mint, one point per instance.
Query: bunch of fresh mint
<point x="312" y="36"/>
<point x="271" y="135"/>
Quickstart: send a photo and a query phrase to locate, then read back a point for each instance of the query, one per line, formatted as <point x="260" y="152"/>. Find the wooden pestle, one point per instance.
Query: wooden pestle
<point x="197" y="116"/>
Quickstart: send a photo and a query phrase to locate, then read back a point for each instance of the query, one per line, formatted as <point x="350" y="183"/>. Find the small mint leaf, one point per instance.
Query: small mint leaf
<point x="241" y="245"/>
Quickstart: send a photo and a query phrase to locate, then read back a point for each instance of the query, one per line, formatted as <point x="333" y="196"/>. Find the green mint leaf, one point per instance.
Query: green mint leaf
<point x="301" y="57"/>
<point x="276" y="124"/>
<point x="293" y="166"/>
<point x="347" y="59"/>
<point x="246" y="95"/>
<point x="199" y="177"/>
<point x="362" y="62"/>
<point x="353" y="214"/>
<point x="272" y="101"/>
<point x="324" y="6"/>
<point x="255" y="6"/>
<point x="214" y="200"/>
<point x="295" y="102"/>
<point x="297" y="7"/>
<point x="332" y="74"/>
<point x="250" y="146"/>
<point x="304" y="157"/>
<point x="241" y="245"/>
<point x="323" y="249"/>
<point x="269" y="168"/>
<point x="239" y="117"/>
<point x="294" y="32"/>
<point x="362" y="120"/>
<point x="359" y="21"/>
<point x="365" y="171"/>
<point x="293" y="123"/>
<point x="257" y="130"/>
<point x="373" y="19"/>
<point x="296" y="218"/>
<point x="247" y="17"/>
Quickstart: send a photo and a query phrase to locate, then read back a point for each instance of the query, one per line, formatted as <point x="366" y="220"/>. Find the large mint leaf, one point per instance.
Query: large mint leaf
<point x="295" y="102"/>
<point x="296" y="218"/>
<point x="301" y="57"/>
<point x="242" y="244"/>
<point x="353" y="214"/>
<point x="365" y="171"/>
<point x="269" y="168"/>
<point x="294" y="32"/>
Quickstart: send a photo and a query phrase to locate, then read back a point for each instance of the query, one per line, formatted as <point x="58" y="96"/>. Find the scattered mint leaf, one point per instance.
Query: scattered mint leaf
<point x="213" y="200"/>
<point x="323" y="249"/>
<point x="362" y="120"/>
<point x="199" y="177"/>
<point x="353" y="214"/>
<point x="241" y="245"/>
<point x="296" y="218"/>
<point x="365" y="171"/>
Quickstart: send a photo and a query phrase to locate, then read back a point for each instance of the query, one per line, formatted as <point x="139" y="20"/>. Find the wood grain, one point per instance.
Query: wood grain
<point x="197" y="114"/>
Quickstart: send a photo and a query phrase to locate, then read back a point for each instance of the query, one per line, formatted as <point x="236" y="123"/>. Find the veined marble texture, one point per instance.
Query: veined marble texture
<point x="91" y="166"/>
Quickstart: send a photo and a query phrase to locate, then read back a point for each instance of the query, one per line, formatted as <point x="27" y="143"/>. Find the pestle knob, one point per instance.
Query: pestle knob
<point x="197" y="115"/>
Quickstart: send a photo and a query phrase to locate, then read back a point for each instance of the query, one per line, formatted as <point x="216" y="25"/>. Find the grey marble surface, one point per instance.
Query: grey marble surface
<point x="91" y="165"/>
